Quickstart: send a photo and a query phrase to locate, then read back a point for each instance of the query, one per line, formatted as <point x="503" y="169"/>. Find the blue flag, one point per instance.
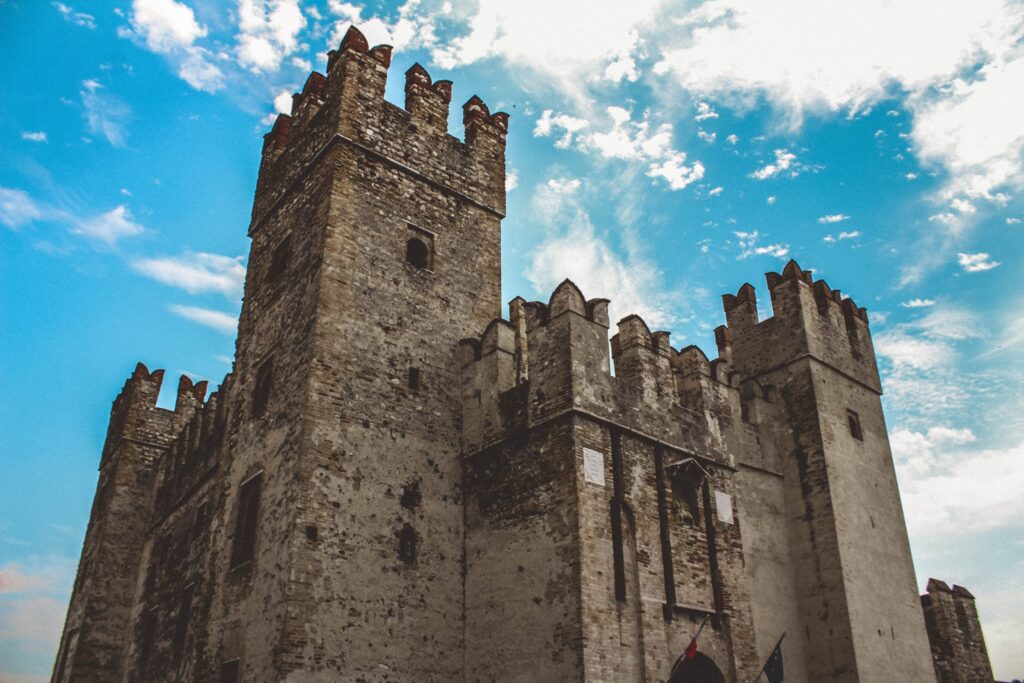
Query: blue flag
<point x="773" y="669"/>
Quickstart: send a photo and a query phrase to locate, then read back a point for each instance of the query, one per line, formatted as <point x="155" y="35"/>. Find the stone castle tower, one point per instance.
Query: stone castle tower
<point x="396" y="484"/>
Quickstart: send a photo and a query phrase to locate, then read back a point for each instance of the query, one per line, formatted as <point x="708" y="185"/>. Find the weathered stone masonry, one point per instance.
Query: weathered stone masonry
<point x="396" y="484"/>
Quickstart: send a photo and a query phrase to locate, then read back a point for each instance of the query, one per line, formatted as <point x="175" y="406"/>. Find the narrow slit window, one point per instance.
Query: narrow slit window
<point x="263" y="386"/>
<point x="414" y="379"/>
<point x="280" y="258"/>
<point x="855" y="430"/>
<point x="184" y="617"/>
<point x="247" y="521"/>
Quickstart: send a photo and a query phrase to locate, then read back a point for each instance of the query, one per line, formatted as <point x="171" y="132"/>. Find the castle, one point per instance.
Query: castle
<point x="395" y="483"/>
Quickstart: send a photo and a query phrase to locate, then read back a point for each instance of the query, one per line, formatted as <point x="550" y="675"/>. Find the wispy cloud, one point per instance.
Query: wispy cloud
<point x="833" y="218"/>
<point x="783" y="163"/>
<point x="195" y="272"/>
<point x="105" y="114"/>
<point x="977" y="263"/>
<point x="78" y="18"/>
<point x="109" y="227"/>
<point x="34" y="136"/>
<point x="17" y="208"/>
<point x="169" y="28"/>
<point x="918" y="303"/>
<point x="217" y="320"/>
<point x="748" y="243"/>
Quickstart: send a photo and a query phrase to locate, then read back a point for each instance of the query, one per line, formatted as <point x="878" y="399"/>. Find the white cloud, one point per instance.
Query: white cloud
<point x="549" y="121"/>
<point x="732" y="139"/>
<point x="169" y="28"/>
<point x="748" y="245"/>
<point x="196" y="272"/>
<point x="628" y="140"/>
<point x="783" y="162"/>
<point x="918" y="303"/>
<point x="529" y="36"/>
<point x="283" y="102"/>
<point x="977" y="263"/>
<point x="109" y="227"/>
<point x="104" y="114"/>
<point x="714" y="192"/>
<point x="574" y="249"/>
<point x="833" y="218"/>
<point x="35" y="593"/>
<point x="166" y="25"/>
<point x="33" y="136"/>
<point x="849" y="235"/>
<point x="78" y="18"/>
<point x="1012" y="221"/>
<point x="950" y="488"/>
<point x="268" y="32"/>
<point x="910" y="176"/>
<point x="217" y="320"/>
<point x="772" y="199"/>
<point x="706" y="136"/>
<point x="17" y="208"/>
<point x="511" y="180"/>
<point x="958" y="67"/>
<point x="706" y="111"/>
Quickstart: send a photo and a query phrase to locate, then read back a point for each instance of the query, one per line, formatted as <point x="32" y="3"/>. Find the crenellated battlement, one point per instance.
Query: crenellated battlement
<point x="195" y="451"/>
<point x="809" y="319"/>
<point x="347" y="106"/>
<point x="552" y="358"/>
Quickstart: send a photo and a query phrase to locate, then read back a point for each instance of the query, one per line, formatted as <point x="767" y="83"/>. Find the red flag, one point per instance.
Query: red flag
<point x="691" y="651"/>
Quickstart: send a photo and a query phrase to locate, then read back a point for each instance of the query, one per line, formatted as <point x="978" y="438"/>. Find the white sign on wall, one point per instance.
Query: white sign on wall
<point x="593" y="467"/>
<point x="723" y="504"/>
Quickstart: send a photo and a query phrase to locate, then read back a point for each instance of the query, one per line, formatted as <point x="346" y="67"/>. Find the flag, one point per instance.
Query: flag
<point x="691" y="650"/>
<point x="773" y="668"/>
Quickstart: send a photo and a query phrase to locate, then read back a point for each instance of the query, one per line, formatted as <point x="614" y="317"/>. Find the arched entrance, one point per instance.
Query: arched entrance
<point x="699" y="669"/>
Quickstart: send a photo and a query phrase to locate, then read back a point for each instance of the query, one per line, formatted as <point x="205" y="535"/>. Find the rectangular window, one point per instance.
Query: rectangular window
<point x="147" y="637"/>
<point x="229" y="671"/>
<point x="263" y="386"/>
<point x="200" y="521"/>
<point x="279" y="259"/>
<point x="414" y="379"/>
<point x="854" y="420"/>
<point x="247" y="521"/>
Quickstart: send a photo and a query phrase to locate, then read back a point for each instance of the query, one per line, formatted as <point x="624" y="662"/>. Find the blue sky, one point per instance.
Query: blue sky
<point x="660" y="154"/>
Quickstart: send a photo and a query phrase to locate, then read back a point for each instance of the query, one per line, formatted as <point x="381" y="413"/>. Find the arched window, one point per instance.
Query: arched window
<point x="417" y="253"/>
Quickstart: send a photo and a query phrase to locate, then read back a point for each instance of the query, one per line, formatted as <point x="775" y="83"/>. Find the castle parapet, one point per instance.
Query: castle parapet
<point x="552" y="359"/>
<point x="810" y="319"/>
<point x="347" y="105"/>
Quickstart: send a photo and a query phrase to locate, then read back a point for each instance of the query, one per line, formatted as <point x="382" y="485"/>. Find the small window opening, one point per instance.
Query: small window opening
<point x="407" y="542"/>
<point x="200" y="521"/>
<point x="855" y="430"/>
<point x="229" y="671"/>
<point x="411" y="496"/>
<point x="311" y="533"/>
<point x="246" y="522"/>
<point x="414" y="379"/>
<point x="280" y="258"/>
<point x="263" y="386"/>
<point x="416" y="253"/>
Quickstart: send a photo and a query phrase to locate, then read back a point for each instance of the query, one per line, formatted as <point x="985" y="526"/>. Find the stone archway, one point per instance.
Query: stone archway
<point x="700" y="669"/>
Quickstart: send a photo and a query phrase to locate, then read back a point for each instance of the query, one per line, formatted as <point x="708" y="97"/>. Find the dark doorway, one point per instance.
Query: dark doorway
<point x="700" y="669"/>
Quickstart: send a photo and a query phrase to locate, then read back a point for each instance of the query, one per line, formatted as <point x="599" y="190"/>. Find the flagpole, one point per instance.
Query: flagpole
<point x="692" y="641"/>
<point x="758" y="676"/>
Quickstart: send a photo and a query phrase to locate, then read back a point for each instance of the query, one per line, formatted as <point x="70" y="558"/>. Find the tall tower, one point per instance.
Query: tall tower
<point x="854" y="578"/>
<point x="375" y="248"/>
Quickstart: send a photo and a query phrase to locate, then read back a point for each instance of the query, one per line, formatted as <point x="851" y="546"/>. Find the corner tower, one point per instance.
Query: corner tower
<point x="375" y="248"/>
<point x="854" y="579"/>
